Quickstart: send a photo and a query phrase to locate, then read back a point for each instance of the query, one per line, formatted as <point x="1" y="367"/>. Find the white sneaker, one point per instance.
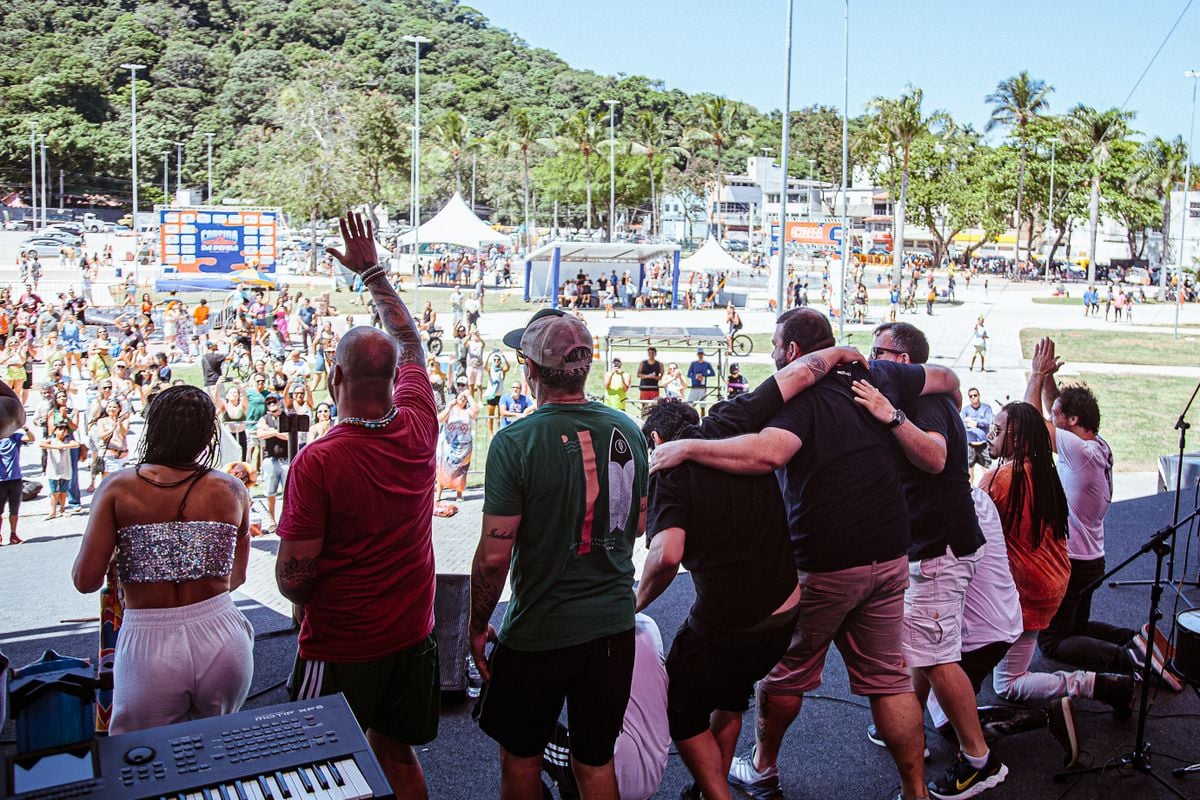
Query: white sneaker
<point x="762" y="784"/>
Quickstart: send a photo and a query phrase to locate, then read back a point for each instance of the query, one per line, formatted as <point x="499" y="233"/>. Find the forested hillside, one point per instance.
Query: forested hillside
<point x="314" y="98"/>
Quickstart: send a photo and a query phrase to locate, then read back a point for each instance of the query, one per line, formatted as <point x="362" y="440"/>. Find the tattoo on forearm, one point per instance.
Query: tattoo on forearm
<point x="297" y="573"/>
<point x="485" y="594"/>
<point x="816" y="364"/>
<point x="397" y="321"/>
<point x="497" y="533"/>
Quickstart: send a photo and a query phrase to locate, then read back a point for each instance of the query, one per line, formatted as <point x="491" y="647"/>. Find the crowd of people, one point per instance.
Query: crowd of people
<point x="850" y="480"/>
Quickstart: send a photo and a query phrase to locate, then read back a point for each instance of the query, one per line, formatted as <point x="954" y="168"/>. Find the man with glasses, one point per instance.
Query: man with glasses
<point x="849" y="528"/>
<point x="945" y="551"/>
<point x="977" y="416"/>
<point x="514" y="405"/>
<point x="274" y="454"/>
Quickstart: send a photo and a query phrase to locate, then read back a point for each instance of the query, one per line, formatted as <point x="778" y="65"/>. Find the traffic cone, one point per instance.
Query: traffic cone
<point x="595" y="348"/>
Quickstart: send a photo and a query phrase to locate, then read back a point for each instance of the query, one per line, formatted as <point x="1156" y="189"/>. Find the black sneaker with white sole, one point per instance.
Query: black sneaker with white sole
<point x="1060" y="713"/>
<point x="963" y="780"/>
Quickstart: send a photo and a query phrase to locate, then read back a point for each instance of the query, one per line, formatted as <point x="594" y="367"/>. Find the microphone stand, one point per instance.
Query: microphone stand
<point x="1182" y="426"/>
<point x="1139" y="759"/>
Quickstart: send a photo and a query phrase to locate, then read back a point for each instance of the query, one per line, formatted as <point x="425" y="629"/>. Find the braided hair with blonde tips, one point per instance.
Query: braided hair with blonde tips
<point x="181" y="429"/>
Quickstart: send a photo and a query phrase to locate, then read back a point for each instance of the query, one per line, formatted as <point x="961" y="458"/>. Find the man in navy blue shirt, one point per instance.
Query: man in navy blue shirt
<point x="699" y="371"/>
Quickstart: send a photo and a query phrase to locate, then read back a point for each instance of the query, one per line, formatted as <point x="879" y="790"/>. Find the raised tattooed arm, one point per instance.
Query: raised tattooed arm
<point x="489" y="570"/>
<point x="361" y="258"/>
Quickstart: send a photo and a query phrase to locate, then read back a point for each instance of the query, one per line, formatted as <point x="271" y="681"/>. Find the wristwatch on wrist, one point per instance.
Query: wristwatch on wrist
<point x="898" y="418"/>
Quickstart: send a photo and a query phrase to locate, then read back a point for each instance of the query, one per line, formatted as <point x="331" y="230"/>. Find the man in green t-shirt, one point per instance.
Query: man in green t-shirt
<point x="564" y="498"/>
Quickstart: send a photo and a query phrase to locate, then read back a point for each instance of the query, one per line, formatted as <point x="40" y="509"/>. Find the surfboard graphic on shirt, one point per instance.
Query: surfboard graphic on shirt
<point x="621" y="471"/>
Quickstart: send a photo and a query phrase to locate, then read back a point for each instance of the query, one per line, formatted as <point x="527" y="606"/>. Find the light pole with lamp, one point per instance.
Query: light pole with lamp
<point x="45" y="173"/>
<point x="1050" y="214"/>
<point x="133" y="68"/>
<point x="1187" y="185"/>
<point x="845" y="171"/>
<point x="417" y="41"/>
<point x="612" y="166"/>
<point x="209" y="196"/>
<point x="785" y="144"/>
<point x="178" y="169"/>
<point x="166" y="181"/>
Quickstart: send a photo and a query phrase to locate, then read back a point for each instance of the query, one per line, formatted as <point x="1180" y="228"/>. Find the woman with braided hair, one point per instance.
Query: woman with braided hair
<point x="179" y="530"/>
<point x="1033" y="512"/>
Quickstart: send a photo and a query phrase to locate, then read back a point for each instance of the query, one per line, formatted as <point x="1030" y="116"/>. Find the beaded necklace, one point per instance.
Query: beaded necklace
<point x="371" y="424"/>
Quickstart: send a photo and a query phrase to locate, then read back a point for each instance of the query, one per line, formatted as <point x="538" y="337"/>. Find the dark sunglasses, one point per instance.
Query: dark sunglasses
<point x="877" y="351"/>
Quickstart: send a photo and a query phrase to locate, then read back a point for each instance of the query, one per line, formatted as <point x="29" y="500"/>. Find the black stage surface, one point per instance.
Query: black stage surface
<point x="826" y="754"/>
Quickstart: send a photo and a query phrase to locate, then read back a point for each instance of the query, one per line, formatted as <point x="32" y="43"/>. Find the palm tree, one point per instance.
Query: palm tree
<point x="720" y="126"/>
<point x="580" y="133"/>
<point x="1167" y="166"/>
<point x="521" y="133"/>
<point x="1016" y="101"/>
<point x="650" y="140"/>
<point x="899" y="123"/>
<point x="1095" y="132"/>
<point x="451" y="135"/>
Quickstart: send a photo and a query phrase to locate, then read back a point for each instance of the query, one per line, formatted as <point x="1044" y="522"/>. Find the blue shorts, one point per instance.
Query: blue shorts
<point x="59" y="485"/>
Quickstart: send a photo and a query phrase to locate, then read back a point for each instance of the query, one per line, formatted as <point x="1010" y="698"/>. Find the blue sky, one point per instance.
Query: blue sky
<point x="957" y="51"/>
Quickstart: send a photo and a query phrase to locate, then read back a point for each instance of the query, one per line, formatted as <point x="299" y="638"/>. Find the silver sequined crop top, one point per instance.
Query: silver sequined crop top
<point x="173" y="552"/>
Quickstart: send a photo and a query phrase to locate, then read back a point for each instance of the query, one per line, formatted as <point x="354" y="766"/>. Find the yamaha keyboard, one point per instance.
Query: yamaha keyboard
<point x="306" y="750"/>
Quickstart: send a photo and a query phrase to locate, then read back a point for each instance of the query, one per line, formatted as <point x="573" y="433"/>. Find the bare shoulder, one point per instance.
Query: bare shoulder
<point x="226" y="483"/>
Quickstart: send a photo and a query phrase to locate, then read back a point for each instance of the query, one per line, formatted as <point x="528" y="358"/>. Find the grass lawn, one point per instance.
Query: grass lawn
<point x="1117" y="347"/>
<point x="1137" y="416"/>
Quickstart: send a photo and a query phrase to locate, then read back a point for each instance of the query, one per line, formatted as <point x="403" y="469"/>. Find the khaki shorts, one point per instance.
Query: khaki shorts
<point x="861" y="610"/>
<point x="933" y="609"/>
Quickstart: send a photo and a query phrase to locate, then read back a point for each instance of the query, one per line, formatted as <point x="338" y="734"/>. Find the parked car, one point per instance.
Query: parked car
<point x="63" y="237"/>
<point x="18" y="225"/>
<point x="67" y="227"/>
<point x="42" y="245"/>
<point x="879" y="251"/>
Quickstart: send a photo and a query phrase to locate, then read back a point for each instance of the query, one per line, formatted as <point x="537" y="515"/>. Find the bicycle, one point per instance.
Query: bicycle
<point x="434" y="345"/>
<point x="741" y="345"/>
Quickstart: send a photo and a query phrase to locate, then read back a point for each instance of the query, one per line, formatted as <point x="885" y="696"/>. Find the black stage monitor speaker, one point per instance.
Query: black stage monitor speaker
<point x="452" y="612"/>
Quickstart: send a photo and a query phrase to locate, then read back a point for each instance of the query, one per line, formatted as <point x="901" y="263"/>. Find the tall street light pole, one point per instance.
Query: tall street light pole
<point x="417" y="41"/>
<point x="166" y="181"/>
<point x="178" y="169"/>
<point x="784" y="148"/>
<point x="845" y="171"/>
<point x="1050" y="213"/>
<point x="133" y="68"/>
<point x="33" y="175"/>
<point x="612" y="166"/>
<point x="209" y="196"/>
<point x="1187" y="185"/>
<point x="45" y="173"/>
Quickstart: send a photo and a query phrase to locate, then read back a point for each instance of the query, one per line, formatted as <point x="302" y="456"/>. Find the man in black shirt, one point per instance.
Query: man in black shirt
<point x="210" y="365"/>
<point x="740" y="562"/>
<point x="946" y="542"/>
<point x="849" y="527"/>
<point x="649" y="374"/>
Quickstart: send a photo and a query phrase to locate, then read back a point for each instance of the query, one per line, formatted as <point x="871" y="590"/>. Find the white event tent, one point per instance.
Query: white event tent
<point x="455" y="224"/>
<point x="712" y="258"/>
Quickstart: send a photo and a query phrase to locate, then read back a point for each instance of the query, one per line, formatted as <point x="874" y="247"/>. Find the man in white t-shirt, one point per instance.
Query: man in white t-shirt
<point x="1085" y="465"/>
<point x="991" y="623"/>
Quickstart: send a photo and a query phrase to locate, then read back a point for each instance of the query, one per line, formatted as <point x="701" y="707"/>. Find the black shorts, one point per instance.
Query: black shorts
<point x="398" y="695"/>
<point x="10" y="495"/>
<point x="494" y="402"/>
<point x="520" y="705"/>
<point x="718" y="672"/>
